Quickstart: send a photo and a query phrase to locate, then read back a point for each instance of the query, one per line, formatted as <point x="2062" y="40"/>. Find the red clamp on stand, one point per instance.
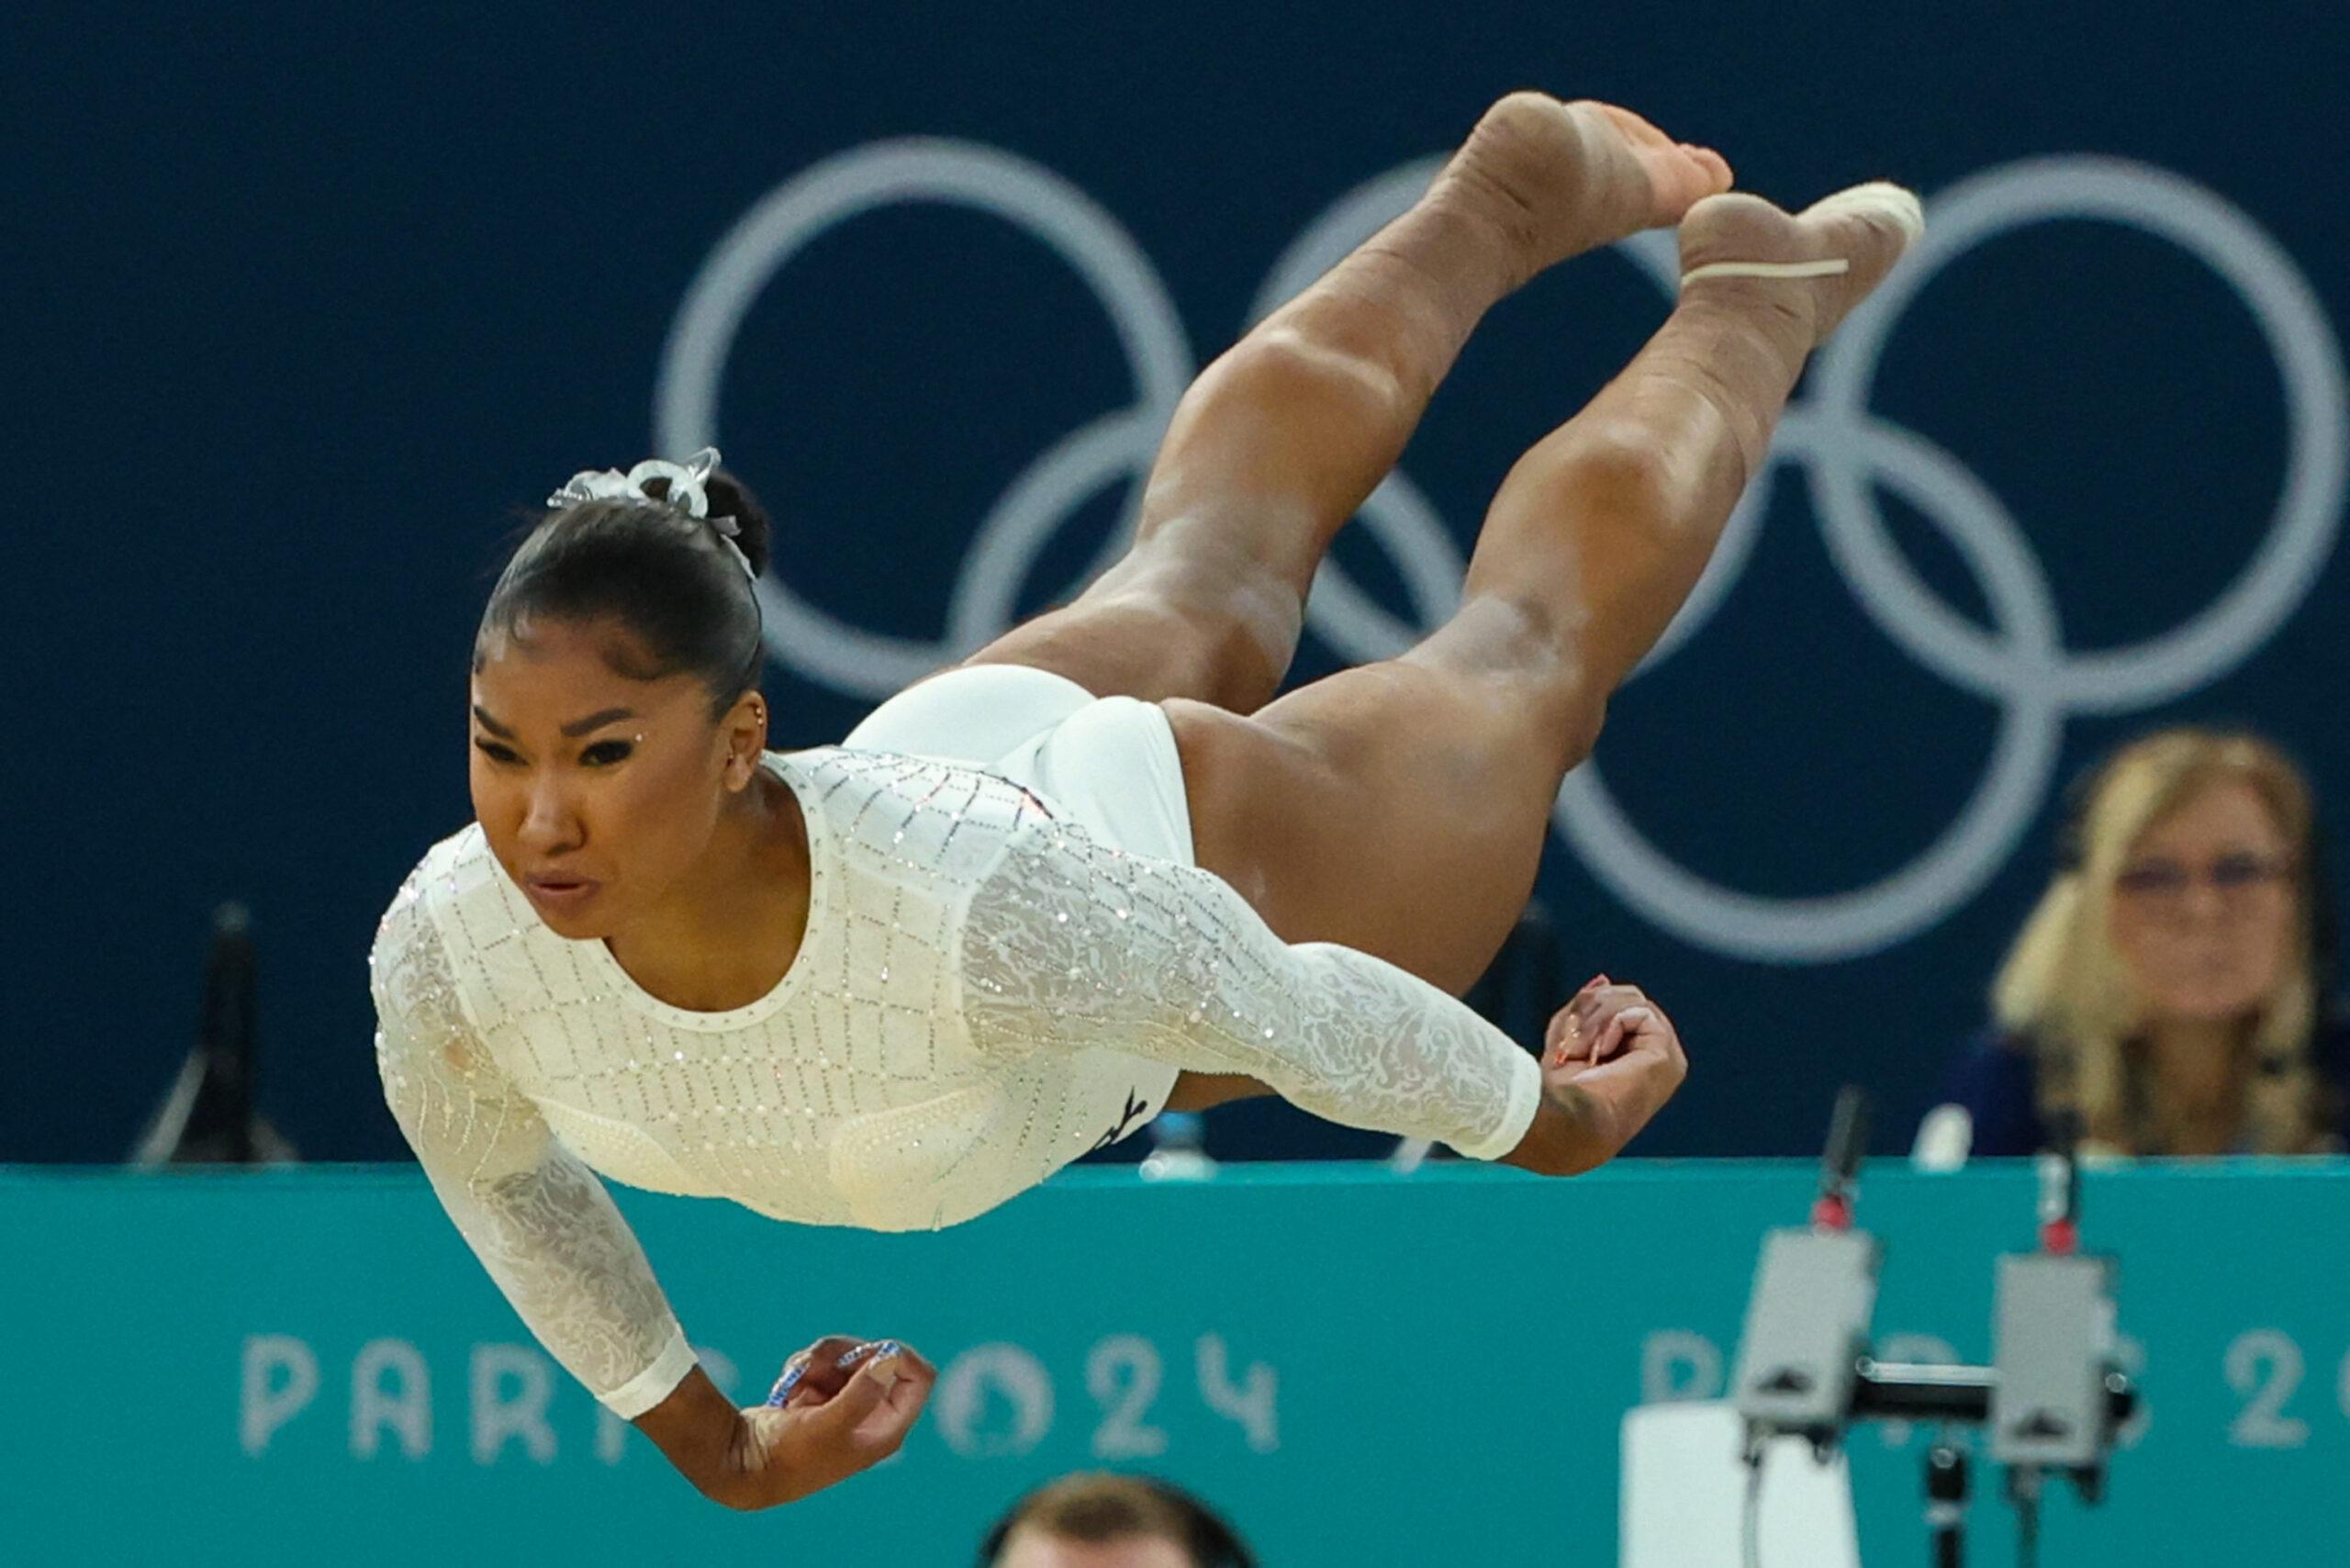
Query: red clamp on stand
<point x="2060" y="1200"/>
<point x="1839" y="1164"/>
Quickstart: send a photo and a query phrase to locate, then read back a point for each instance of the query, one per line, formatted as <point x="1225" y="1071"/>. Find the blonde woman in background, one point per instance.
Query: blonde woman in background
<point x="2168" y="995"/>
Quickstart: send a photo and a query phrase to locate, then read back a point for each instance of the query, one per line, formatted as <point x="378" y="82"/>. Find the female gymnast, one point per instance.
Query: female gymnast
<point x="1097" y="869"/>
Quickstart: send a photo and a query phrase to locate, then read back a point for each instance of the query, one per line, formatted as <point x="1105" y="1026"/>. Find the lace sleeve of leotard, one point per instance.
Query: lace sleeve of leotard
<point x="1070" y="945"/>
<point x="539" y="1220"/>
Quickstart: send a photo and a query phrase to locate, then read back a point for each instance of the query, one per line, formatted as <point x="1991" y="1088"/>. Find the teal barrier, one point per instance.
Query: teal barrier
<point x="308" y="1366"/>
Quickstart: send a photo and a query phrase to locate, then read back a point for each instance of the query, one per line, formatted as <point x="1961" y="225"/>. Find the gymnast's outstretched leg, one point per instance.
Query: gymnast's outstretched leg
<point x="1279" y="442"/>
<point x="1400" y="808"/>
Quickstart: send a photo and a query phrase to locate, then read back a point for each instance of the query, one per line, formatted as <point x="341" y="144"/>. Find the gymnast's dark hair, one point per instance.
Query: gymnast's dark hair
<point x="669" y="578"/>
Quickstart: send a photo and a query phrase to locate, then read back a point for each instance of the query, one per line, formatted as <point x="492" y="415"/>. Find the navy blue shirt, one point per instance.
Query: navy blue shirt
<point x="1996" y="1076"/>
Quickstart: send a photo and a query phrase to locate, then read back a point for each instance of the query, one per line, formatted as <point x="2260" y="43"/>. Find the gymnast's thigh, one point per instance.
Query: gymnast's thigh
<point x="1397" y="809"/>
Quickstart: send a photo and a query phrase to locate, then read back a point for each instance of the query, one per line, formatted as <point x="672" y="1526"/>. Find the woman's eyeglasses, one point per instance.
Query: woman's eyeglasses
<point x="2231" y="877"/>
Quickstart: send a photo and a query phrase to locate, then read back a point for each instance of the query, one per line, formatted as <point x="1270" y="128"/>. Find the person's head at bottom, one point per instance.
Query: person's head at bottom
<point x="1112" y="1521"/>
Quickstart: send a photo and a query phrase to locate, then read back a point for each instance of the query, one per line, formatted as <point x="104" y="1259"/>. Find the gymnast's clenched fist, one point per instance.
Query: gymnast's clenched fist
<point x="842" y="1406"/>
<point x="1610" y="1061"/>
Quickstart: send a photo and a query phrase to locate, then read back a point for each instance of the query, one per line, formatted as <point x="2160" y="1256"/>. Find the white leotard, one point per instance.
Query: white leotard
<point x="985" y="992"/>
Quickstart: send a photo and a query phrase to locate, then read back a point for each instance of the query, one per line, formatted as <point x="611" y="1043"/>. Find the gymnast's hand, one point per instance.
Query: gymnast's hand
<point x="842" y="1406"/>
<point x="1610" y="1061"/>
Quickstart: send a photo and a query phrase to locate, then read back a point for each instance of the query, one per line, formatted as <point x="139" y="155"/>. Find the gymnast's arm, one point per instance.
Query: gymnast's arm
<point x="538" y="1220"/>
<point x="1067" y="945"/>
<point x="548" y="1233"/>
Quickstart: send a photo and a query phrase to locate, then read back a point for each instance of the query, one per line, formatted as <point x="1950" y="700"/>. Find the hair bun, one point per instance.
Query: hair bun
<point x="729" y="497"/>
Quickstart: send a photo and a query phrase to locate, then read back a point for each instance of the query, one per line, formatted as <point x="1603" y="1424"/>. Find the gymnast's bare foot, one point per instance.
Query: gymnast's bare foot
<point x="1565" y="178"/>
<point x="1811" y="268"/>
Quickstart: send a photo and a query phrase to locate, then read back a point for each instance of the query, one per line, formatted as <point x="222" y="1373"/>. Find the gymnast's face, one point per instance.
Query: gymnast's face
<point x="2204" y="914"/>
<point x="599" y="792"/>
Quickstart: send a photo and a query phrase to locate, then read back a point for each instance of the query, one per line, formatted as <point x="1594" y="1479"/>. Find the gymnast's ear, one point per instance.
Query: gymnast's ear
<point x="742" y="732"/>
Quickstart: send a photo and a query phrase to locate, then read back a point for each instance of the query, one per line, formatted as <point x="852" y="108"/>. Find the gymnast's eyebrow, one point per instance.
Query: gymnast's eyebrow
<point x="574" y="729"/>
<point x="578" y="727"/>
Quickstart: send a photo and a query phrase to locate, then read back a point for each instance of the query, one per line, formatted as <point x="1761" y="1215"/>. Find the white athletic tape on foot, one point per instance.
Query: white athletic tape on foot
<point x="1768" y="269"/>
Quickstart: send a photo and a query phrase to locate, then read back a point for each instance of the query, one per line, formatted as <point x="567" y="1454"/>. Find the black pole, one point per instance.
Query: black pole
<point x="1848" y="1132"/>
<point x="231" y="1005"/>
<point x="2023" y="1490"/>
<point x="1946" y="1503"/>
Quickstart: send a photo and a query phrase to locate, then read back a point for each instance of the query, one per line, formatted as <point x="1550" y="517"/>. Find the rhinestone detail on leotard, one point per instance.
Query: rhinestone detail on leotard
<point x="983" y="993"/>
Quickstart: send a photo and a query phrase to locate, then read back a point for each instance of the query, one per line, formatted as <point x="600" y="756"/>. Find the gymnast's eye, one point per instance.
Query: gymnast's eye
<point x="603" y="754"/>
<point x="495" y="752"/>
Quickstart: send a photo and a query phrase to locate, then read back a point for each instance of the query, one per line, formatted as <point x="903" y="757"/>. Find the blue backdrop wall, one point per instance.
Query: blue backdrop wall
<point x="303" y="305"/>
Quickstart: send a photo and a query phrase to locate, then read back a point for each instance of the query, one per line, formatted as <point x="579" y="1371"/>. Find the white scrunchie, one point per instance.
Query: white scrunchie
<point x="688" y="493"/>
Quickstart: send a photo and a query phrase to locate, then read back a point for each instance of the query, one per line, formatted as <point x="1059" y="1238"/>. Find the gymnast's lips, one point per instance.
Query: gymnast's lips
<point x="557" y="891"/>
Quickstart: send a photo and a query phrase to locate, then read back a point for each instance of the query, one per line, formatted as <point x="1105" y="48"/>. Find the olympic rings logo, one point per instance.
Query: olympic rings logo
<point x="1846" y="453"/>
